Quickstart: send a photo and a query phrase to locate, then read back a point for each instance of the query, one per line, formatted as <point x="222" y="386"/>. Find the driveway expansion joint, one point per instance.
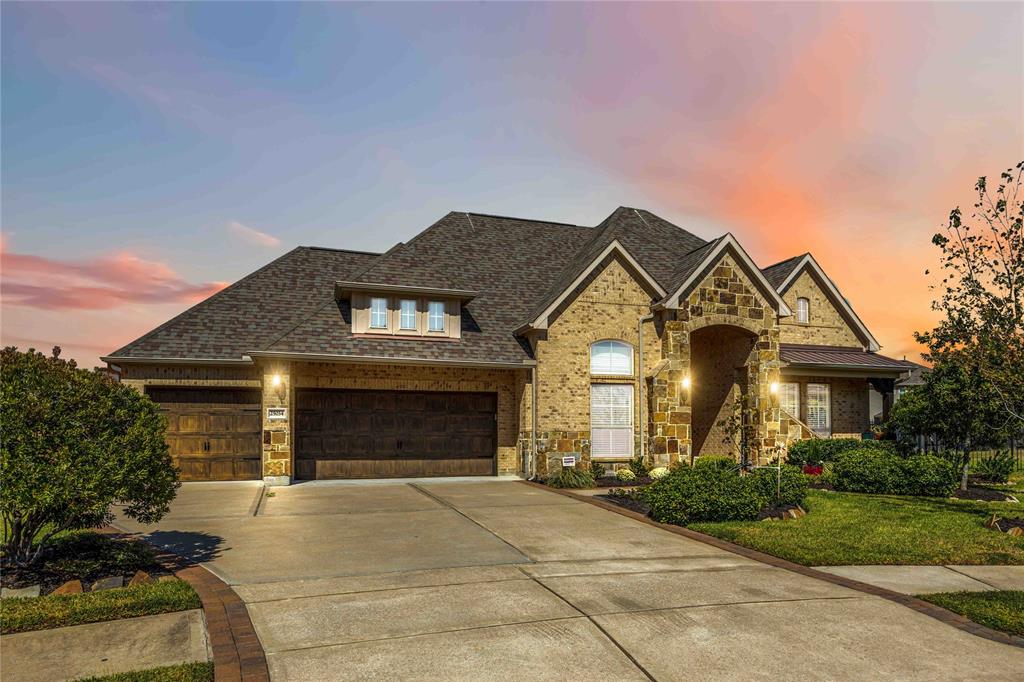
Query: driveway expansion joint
<point x="948" y="617"/>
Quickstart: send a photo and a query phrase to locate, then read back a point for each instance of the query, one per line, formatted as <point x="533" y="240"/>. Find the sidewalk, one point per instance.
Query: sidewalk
<point x="931" y="579"/>
<point x="107" y="647"/>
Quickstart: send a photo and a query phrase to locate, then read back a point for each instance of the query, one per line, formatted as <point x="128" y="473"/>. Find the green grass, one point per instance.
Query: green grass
<point x="54" y="611"/>
<point x="998" y="610"/>
<point x="848" y="528"/>
<point x="186" y="672"/>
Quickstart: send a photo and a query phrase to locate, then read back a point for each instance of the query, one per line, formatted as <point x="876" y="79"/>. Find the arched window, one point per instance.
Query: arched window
<point x="611" y="357"/>
<point x="803" y="310"/>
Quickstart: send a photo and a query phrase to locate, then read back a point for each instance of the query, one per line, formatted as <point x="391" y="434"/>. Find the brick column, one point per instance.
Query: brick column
<point x="278" y="434"/>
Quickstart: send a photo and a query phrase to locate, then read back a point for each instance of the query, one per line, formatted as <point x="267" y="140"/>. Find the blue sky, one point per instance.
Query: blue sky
<point x="151" y="152"/>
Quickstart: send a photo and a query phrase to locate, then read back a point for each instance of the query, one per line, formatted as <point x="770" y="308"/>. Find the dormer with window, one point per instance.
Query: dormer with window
<point x="393" y="311"/>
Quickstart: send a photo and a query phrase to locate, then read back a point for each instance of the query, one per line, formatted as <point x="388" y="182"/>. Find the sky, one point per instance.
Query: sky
<point x="152" y="153"/>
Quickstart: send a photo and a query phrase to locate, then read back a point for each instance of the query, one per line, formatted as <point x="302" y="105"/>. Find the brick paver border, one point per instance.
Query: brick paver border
<point x="921" y="606"/>
<point x="237" y="652"/>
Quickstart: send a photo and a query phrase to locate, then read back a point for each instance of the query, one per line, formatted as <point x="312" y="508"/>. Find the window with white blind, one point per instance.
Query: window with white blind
<point x="819" y="408"/>
<point x="611" y="420"/>
<point x="789" y="399"/>
<point x="435" y="316"/>
<point x="803" y="310"/>
<point x="407" y="314"/>
<point x="611" y="357"/>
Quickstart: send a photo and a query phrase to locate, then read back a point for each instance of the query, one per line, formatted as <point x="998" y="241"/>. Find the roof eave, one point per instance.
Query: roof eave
<point x="383" y="359"/>
<point x="343" y="290"/>
<point x="127" y="359"/>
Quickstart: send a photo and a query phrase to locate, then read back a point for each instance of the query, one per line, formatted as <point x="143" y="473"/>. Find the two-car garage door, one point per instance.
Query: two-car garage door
<point x="379" y="434"/>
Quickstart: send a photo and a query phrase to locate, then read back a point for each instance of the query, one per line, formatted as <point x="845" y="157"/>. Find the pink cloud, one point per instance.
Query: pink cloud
<point x="251" y="235"/>
<point x="94" y="284"/>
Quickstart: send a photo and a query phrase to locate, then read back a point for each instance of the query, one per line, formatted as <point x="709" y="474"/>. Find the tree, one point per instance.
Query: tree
<point x="982" y="294"/>
<point x="74" y="443"/>
<point x="955" y="410"/>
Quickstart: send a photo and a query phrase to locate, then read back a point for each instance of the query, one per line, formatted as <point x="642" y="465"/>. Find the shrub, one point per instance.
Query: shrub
<point x="74" y="442"/>
<point x="597" y="469"/>
<point x="625" y="475"/>
<point x="816" y="450"/>
<point x="877" y="470"/>
<point x="785" y="486"/>
<point x="719" y="462"/>
<point x="708" y="493"/>
<point x="928" y="476"/>
<point x="637" y="466"/>
<point x="658" y="472"/>
<point x="996" y="468"/>
<point x="571" y="477"/>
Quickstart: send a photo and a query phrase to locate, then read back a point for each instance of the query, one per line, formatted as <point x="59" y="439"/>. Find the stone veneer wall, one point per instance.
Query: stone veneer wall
<point x="607" y="305"/>
<point x="825" y="326"/>
<point x="724" y="297"/>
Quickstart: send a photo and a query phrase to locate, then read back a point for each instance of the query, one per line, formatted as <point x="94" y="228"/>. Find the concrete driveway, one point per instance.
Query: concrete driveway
<point x="491" y="580"/>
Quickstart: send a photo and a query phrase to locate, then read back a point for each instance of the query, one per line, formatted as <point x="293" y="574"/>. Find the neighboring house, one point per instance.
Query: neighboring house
<point x="492" y="345"/>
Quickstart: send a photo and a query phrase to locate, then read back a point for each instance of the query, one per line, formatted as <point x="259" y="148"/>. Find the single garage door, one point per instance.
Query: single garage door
<point x="381" y="434"/>
<point x="213" y="434"/>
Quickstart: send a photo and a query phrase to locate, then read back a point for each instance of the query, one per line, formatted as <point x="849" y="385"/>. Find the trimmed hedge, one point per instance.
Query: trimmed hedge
<point x="714" y="492"/>
<point x="881" y="472"/>
<point x="721" y="462"/>
<point x="815" y="450"/>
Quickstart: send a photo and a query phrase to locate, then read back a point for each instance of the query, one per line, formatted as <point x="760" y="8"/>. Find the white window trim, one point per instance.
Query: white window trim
<point x="401" y="314"/>
<point x="373" y="300"/>
<point x="783" y="387"/>
<point x="612" y="343"/>
<point x="620" y="433"/>
<point x="803" y="310"/>
<point x="827" y="430"/>
<point x="430" y="316"/>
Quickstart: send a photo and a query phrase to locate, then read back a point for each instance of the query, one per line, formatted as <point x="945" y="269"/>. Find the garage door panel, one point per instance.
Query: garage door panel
<point x="381" y="433"/>
<point x="212" y="434"/>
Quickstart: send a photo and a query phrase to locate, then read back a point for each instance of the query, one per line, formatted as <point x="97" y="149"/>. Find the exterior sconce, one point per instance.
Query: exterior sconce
<point x="276" y="381"/>
<point x="686" y="382"/>
<point x="773" y="388"/>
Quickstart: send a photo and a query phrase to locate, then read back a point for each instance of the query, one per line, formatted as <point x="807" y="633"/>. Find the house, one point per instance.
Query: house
<point x="495" y="345"/>
<point x="911" y="377"/>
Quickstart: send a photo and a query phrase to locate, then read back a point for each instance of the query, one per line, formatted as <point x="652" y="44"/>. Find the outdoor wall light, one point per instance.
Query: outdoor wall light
<point x="686" y="383"/>
<point x="774" y="387"/>
<point x="276" y="381"/>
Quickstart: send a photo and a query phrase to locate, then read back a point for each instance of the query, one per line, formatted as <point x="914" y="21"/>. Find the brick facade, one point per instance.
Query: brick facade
<point x="848" y="398"/>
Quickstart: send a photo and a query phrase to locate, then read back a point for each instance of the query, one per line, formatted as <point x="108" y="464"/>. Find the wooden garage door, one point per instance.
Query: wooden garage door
<point x="380" y="434"/>
<point x="213" y="434"/>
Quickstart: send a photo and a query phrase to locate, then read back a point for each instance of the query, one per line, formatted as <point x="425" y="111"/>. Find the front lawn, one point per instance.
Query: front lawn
<point x="185" y="672"/>
<point x="997" y="610"/>
<point x="54" y="611"/>
<point x="849" y="528"/>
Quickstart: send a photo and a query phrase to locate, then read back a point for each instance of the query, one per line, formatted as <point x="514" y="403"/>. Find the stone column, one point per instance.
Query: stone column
<point x="278" y="434"/>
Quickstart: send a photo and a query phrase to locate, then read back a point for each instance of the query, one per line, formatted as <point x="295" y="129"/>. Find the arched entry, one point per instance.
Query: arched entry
<point x="720" y="358"/>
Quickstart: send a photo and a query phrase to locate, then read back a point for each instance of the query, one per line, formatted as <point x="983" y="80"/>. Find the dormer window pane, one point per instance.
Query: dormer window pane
<point x="407" y="316"/>
<point x="379" y="313"/>
<point x="435" y="316"/>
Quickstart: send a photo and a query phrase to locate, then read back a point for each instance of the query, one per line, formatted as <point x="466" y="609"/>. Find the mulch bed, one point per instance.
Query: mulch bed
<point x="613" y="482"/>
<point x="86" y="557"/>
<point x="1004" y="525"/>
<point x="627" y="501"/>
<point x="981" y="494"/>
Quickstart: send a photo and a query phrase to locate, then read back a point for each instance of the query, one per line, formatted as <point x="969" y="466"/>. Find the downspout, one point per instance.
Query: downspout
<point x="642" y="383"/>
<point x="531" y="466"/>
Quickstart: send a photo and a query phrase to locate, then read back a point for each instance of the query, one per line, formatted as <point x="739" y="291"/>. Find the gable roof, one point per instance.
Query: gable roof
<point x="693" y="269"/>
<point x="807" y="262"/>
<point x="777" y="274"/>
<point x="251" y="312"/>
<point x="508" y="271"/>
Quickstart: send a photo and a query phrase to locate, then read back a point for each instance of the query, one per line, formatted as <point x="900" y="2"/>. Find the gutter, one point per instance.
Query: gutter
<point x="111" y="359"/>
<point x="642" y="383"/>
<point x="383" y="359"/>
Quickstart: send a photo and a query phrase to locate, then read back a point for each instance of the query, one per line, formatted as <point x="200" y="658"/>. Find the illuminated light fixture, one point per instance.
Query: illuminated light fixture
<point x="774" y="387"/>
<point x="276" y="381"/>
<point x="686" y="383"/>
